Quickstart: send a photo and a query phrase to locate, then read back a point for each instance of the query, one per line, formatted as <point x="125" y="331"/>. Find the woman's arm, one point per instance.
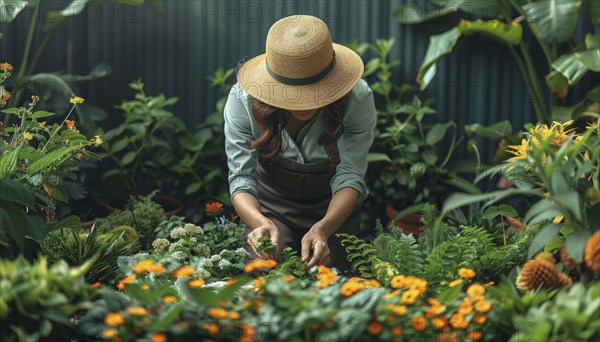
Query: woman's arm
<point x="340" y="207"/>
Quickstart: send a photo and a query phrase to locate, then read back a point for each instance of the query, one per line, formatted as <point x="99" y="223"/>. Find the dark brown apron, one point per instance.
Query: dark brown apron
<point x="295" y="196"/>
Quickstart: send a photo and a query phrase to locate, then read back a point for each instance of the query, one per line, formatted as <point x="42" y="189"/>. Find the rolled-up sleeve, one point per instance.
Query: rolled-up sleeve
<point x="241" y="157"/>
<point x="355" y="142"/>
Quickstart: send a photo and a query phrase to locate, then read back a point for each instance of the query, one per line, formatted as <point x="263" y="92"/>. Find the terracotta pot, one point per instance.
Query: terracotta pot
<point x="172" y="205"/>
<point x="410" y="224"/>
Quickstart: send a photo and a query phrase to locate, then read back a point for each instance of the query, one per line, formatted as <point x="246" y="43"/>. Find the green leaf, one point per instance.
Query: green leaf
<point x="167" y="317"/>
<point x="371" y="66"/>
<point x="495" y="131"/>
<point x="576" y="243"/>
<point x="542" y="210"/>
<point x="192" y="188"/>
<point x="8" y="163"/>
<point x="552" y="21"/>
<point x="501" y="32"/>
<point x="571" y="200"/>
<point x="558" y="84"/>
<point x="555" y="244"/>
<point x="501" y="210"/>
<point x="13" y="110"/>
<point x="590" y="58"/>
<point x="450" y="294"/>
<point x="119" y="145"/>
<point x="373" y="157"/>
<point x="458" y="200"/>
<point x="540" y="240"/>
<point x="16" y="192"/>
<point x="412" y="209"/>
<point x="439" y="45"/>
<point x="437" y="132"/>
<point x="128" y="157"/>
<point x="429" y="157"/>
<point x="41" y="114"/>
<point x="480" y="8"/>
<point x="47" y="160"/>
<point x="156" y="6"/>
<point x="570" y="67"/>
<point x="9" y="9"/>
<point x="592" y="41"/>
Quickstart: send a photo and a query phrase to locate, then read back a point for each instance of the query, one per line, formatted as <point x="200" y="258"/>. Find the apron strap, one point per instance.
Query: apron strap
<point x="332" y="152"/>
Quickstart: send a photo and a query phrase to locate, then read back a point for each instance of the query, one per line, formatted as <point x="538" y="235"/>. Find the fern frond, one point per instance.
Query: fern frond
<point x="360" y="253"/>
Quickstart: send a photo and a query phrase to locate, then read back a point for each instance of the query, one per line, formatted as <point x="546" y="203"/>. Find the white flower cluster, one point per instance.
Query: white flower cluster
<point x="193" y="229"/>
<point x="224" y="263"/>
<point x="179" y="255"/>
<point x="160" y="245"/>
<point x="201" y="249"/>
<point x="204" y="262"/>
<point x="179" y="244"/>
<point x="179" y="233"/>
<point x="241" y="251"/>
<point x="201" y="273"/>
<point x="215" y="258"/>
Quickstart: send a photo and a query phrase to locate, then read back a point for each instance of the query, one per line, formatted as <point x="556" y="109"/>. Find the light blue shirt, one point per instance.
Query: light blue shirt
<point x="353" y="145"/>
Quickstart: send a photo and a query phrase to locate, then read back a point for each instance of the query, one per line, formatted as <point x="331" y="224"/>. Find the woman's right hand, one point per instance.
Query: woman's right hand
<point x="268" y="229"/>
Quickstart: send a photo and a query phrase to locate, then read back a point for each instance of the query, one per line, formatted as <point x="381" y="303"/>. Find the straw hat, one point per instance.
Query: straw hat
<point x="302" y="68"/>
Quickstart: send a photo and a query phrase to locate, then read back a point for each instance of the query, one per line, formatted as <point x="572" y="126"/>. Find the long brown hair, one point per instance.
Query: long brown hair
<point x="272" y="121"/>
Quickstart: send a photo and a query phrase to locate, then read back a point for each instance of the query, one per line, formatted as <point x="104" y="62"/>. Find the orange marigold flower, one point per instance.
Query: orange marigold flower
<point x="114" y="319"/>
<point x="217" y="313"/>
<point x="474" y="335"/>
<point x="447" y="337"/>
<point x="465" y="309"/>
<point x="410" y="296"/>
<point x="196" y="283"/>
<point x="489" y="283"/>
<point x="391" y="294"/>
<point x="398" y="282"/>
<point x="483" y="306"/>
<point x="159" y="338"/>
<point x="183" y="271"/>
<point x="399" y="310"/>
<point x="234" y="315"/>
<point x="396" y="331"/>
<point x="350" y="288"/>
<point x="419" y="323"/>
<point x="96" y="285"/>
<point x="138" y="310"/>
<point x="142" y="266"/>
<point x="248" y="333"/>
<point x="479" y="319"/>
<point x="466" y="273"/>
<point x="213" y="208"/>
<point x="127" y="280"/>
<point x="455" y="283"/>
<point x="475" y="290"/>
<point x="145" y="287"/>
<point x="375" y="328"/>
<point x="70" y="123"/>
<point x="438" y="322"/>
<point x="169" y="299"/>
<point x="288" y="278"/>
<point x="269" y="263"/>
<point x="457" y="321"/>
<point x="212" y="328"/>
<point x="109" y="333"/>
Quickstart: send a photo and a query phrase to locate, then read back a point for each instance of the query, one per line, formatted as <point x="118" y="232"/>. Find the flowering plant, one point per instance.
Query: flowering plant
<point x="36" y="155"/>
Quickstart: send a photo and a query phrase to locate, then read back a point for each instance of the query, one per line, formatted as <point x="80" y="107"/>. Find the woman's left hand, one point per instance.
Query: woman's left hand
<point x="315" y="241"/>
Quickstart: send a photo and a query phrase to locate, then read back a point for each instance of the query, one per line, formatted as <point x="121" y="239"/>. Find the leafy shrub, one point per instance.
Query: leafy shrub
<point x="76" y="248"/>
<point x="36" y="298"/>
<point x="142" y="213"/>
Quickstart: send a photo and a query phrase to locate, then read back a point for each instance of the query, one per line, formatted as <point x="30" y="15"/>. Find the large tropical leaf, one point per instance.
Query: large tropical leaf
<point x="552" y="21"/>
<point x="481" y="8"/>
<point x="439" y="45"/>
<point x="507" y="34"/>
<point x="9" y="9"/>
<point x="589" y="58"/>
<point x="573" y="66"/>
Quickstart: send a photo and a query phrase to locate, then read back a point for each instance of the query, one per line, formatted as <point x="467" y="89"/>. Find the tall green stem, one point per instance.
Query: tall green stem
<point x="539" y="113"/>
<point x="535" y="81"/>
<point x="22" y="70"/>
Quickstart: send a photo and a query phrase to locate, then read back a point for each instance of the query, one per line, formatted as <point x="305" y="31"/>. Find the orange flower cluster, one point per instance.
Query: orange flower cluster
<point x="138" y="310"/>
<point x="410" y="282"/>
<point x="114" y="319"/>
<point x="257" y="264"/>
<point x="357" y="284"/>
<point x="183" y="271"/>
<point x="466" y="273"/>
<point x="220" y="313"/>
<point x="148" y="266"/>
<point x="127" y="280"/>
<point x="326" y="277"/>
<point x="196" y="283"/>
<point x="542" y="271"/>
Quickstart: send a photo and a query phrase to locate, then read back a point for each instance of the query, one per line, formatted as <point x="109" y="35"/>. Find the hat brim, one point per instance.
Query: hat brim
<point x="256" y="81"/>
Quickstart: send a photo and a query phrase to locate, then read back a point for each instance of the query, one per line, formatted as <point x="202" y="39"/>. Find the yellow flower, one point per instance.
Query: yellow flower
<point x="410" y="296"/>
<point x="109" y="333"/>
<point x="479" y="319"/>
<point x="76" y="99"/>
<point x="42" y="124"/>
<point x="212" y="328"/>
<point x="475" y="290"/>
<point x="466" y="273"/>
<point x="98" y="140"/>
<point x="398" y="282"/>
<point x="474" y="335"/>
<point x="483" y="306"/>
<point x="27" y="136"/>
<point x="419" y="323"/>
<point x="169" y="299"/>
<point x="595" y="126"/>
<point x="196" y="283"/>
<point x="520" y="151"/>
<point x="114" y="319"/>
<point x="183" y="271"/>
<point x="455" y="283"/>
<point x="127" y="280"/>
<point x="217" y="313"/>
<point x="137" y="310"/>
<point x="399" y="310"/>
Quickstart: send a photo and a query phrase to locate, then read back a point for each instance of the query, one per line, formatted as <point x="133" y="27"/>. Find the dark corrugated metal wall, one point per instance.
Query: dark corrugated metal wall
<point x="175" y="52"/>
